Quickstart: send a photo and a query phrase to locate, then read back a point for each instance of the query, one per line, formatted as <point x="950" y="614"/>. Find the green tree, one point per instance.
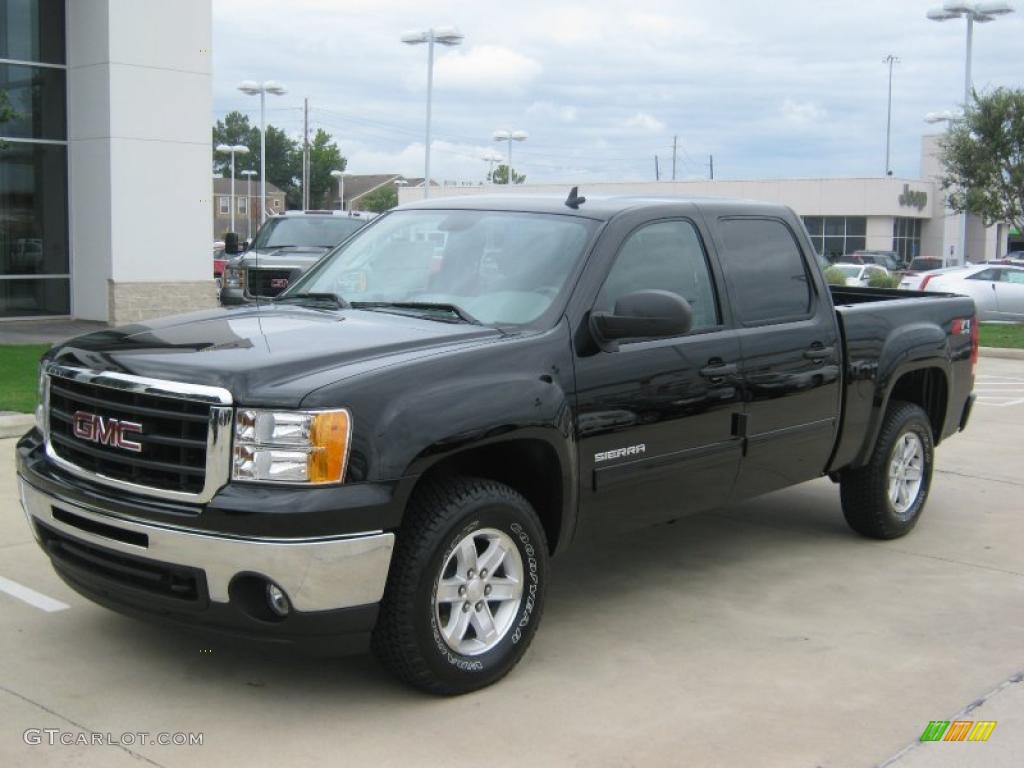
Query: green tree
<point x="383" y="199"/>
<point x="983" y="156"/>
<point x="324" y="157"/>
<point x="7" y="112"/>
<point x="284" y="155"/>
<point x="235" y="129"/>
<point x="500" y="176"/>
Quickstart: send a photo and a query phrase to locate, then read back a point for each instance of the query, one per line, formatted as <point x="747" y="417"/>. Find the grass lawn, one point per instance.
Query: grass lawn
<point x="1002" y="335"/>
<point x="19" y="365"/>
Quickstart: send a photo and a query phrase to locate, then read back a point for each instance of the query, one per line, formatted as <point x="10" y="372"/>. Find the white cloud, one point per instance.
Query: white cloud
<point x="547" y="111"/>
<point x="645" y="122"/>
<point x="802" y="113"/>
<point x="485" y="68"/>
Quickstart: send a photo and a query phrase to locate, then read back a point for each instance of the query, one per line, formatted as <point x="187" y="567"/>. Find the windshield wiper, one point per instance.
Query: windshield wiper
<point x="334" y="298"/>
<point x="460" y="314"/>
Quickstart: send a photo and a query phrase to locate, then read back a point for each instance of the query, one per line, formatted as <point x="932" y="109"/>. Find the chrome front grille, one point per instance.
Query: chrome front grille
<point x="179" y="444"/>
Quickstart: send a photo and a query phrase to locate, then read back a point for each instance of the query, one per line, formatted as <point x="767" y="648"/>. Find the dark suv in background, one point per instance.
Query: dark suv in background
<point x="285" y="247"/>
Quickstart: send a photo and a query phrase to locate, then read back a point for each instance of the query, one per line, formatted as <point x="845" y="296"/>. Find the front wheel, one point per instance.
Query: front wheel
<point x="466" y="588"/>
<point x="884" y="499"/>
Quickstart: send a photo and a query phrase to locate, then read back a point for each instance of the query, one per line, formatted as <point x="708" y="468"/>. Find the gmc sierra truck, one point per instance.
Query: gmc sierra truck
<point x="391" y="450"/>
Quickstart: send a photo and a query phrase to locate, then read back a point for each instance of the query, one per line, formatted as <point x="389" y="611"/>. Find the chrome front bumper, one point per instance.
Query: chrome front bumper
<point x="318" y="574"/>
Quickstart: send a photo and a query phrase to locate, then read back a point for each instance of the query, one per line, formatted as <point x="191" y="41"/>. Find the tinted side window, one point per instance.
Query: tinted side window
<point x="987" y="274"/>
<point x="668" y="256"/>
<point x="765" y="270"/>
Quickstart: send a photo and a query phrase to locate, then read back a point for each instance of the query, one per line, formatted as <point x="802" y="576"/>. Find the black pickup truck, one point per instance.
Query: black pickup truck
<point x="391" y="450"/>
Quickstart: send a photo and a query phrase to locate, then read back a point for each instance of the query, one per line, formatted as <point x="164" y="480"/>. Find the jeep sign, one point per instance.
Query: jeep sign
<point x="915" y="199"/>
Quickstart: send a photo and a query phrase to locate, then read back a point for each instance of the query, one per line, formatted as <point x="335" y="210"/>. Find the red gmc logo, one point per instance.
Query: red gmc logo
<point x="279" y="282"/>
<point x="96" y="429"/>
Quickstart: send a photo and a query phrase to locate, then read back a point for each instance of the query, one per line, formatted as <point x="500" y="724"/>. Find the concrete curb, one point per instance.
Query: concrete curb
<point x="15" y="424"/>
<point x="1006" y="354"/>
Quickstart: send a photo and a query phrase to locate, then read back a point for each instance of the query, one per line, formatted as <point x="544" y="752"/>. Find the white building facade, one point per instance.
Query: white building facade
<point x="905" y="215"/>
<point x="105" y="180"/>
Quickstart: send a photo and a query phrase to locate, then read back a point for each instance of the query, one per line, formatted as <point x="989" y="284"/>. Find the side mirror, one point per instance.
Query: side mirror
<point x="644" y="315"/>
<point x="231" y="243"/>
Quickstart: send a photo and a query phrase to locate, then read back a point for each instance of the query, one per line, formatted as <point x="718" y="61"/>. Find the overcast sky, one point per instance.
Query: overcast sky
<point x="786" y="88"/>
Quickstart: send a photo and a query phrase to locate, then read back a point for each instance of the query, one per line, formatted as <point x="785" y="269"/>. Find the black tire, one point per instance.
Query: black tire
<point x="407" y="639"/>
<point x="865" y="491"/>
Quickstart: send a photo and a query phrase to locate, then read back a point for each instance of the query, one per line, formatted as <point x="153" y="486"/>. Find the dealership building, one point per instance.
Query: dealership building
<point x="906" y="215"/>
<point x="105" y="169"/>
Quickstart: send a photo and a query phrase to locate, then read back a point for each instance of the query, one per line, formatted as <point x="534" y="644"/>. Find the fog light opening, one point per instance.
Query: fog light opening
<point x="278" y="600"/>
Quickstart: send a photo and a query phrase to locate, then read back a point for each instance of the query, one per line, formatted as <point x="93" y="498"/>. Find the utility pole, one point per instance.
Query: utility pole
<point x="675" y="141"/>
<point x="890" y="60"/>
<point x="305" y="154"/>
<point x="711" y="167"/>
<point x="657" y="172"/>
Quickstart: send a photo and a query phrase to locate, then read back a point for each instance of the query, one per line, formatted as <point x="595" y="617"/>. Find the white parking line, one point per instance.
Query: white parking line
<point x="30" y="596"/>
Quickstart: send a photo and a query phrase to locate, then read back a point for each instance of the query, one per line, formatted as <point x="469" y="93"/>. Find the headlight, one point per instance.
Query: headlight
<point x="234" y="277"/>
<point x="291" y="446"/>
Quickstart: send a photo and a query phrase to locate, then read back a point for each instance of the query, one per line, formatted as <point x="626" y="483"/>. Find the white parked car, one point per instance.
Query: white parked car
<point x="860" y="274"/>
<point x="997" y="290"/>
<point x="919" y="281"/>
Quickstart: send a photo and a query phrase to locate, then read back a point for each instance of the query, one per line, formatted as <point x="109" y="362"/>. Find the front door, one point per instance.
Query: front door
<point x="655" y="416"/>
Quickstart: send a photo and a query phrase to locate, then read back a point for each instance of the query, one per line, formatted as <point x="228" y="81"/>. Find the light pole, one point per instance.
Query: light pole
<point x="890" y="60"/>
<point x="510" y="136"/>
<point x="248" y="201"/>
<point x="252" y="88"/>
<point x="491" y="158"/>
<point x="233" y="149"/>
<point x="448" y="36"/>
<point x="340" y="176"/>
<point x="974" y="12"/>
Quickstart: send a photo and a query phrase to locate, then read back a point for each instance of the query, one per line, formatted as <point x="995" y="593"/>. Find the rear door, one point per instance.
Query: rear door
<point x="789" y="344"/>
<point x="655" y="417"/>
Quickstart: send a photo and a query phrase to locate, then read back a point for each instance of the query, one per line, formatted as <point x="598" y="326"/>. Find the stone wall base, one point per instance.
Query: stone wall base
<point x="131" y="302"/>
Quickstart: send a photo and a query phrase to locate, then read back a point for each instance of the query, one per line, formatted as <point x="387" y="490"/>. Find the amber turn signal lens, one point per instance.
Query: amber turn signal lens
<point x="328" y="437"/>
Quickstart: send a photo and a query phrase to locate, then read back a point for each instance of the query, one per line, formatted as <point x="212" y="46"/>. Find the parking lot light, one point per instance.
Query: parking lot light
<point x="233" y="149"/>
<point x="447" y="36"/>
<point x="510" y="136"/>
<point x="252" y="88"/>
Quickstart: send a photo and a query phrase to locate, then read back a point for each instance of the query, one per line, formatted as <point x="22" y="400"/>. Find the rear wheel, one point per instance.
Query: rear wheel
<point x="884" y="499"/>
<point x="466" y="587"/>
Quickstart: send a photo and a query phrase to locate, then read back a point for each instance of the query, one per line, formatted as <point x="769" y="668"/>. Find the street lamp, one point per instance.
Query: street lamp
<point x="890" y="60"/>
<point x="340" y="176"/>
<point x="252" y="88"/>
<point x="448" y="36"/>
<point x="491" y="158"/>
<point x="980" y="12"/>
<point x="233" y="149"/>
<point x="510" y="136"/>
<point x="248" y="201"/>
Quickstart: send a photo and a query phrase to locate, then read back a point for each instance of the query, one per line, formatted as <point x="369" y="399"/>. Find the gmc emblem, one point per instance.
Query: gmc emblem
<point x="96" y="429"/>
<point x="279" y="282"/>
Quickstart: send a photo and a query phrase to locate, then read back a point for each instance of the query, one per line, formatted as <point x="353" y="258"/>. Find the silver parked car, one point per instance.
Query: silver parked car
<point x="997" y="290"/>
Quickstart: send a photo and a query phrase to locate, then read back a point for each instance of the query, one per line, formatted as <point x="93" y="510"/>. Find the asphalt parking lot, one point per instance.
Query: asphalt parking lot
<point x="766" y="634"/>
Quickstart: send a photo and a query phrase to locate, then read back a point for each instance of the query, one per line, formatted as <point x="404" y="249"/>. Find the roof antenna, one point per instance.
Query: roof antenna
<point x="574" y="200"/>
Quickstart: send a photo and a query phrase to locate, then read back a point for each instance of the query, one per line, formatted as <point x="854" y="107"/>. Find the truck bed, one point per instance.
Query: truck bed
<point x="885" y="329"/>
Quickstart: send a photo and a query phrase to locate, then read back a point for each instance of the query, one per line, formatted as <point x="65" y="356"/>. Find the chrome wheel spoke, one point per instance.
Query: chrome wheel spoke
<point x="492" y="556"/>
<point x="483" y="623"/>
<point x="455" y="630"/>
<point x="466" y="554"/>
<point x="448" y="590"/>
<point x="504" y="589"/>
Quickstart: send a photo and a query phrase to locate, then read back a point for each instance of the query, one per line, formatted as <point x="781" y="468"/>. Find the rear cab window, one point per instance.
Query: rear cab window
<point x="765" y="271"/>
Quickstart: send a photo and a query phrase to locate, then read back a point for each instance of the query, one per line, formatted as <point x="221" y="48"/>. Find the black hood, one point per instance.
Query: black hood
<point x="267" y="355"/>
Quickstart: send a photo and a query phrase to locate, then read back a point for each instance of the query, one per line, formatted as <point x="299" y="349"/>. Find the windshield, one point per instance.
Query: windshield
<point x="499" y="267"/>
<point x="307" y="231"/>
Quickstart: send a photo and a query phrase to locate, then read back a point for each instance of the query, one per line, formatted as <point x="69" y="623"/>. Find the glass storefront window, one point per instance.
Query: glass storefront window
<point x="906" y="238"/>
<point x="37" y="96"/>
<point x="835" y="236"/>
<point x="38" y="296"/>
<point x="32" y="30"/>
<point x="33" y="209"/>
